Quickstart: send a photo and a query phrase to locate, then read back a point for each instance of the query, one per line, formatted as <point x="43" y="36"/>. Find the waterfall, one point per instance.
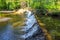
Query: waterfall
<point x="30" y="31"/>
<point x="31" y="27"/>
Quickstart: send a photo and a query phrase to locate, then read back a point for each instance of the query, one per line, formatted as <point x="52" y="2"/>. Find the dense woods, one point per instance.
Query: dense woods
<point x="48" y="4"/>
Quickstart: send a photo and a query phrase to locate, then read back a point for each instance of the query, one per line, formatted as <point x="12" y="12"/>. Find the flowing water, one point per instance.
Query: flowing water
<point x="29" y="31"/>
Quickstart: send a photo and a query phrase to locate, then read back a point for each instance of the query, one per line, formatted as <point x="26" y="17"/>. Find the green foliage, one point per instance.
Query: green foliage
<point x="47" y="4"/>
<point x="36" y="4"/>
<point x="8" y="4"/>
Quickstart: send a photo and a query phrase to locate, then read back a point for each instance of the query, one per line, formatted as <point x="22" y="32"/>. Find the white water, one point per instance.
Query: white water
<point x="31" y="26"/>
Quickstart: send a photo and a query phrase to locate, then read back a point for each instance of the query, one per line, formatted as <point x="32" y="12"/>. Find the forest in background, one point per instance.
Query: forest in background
<point x="36" y="4"/>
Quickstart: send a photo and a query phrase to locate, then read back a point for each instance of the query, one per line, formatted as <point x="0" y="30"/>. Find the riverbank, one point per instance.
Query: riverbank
<point x="46" y="33"/>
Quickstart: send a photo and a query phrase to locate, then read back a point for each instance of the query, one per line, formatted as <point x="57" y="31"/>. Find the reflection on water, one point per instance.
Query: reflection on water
<point x="29" y="31"/>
